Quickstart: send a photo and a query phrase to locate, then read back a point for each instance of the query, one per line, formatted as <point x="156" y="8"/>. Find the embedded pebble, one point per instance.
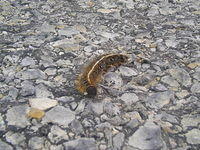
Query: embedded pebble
<point x="76" y="126"/>
<point x="159" y="100"/>
<point x="188" y="121"/>
<point x="68" y="31"/>
<point x="128" y="72"/>
<point x="96" y="108"/>
<point x="27" y="88"/>
<point x="118" y="140"/>
<point x="181" y="76"/>
<point x="158" y="88"/>
<point x="36" y="142"/>
<point x="16" y="116"/>
<point x="147" y="137"/>
<point x="5" y="146"/>
<point x="2" y="123"/>
<point x="81" y="143"/>
<point x="167" y="117"/>
<point x="42" y="103"/>
<point x="57" y="134"/>
<point x="36" y="113"/>
<point x="129" y="98"/>
<point x="111" y="109"/>
<point x="193" y="136"/>
<point x="182" y="94"/>
<point x="59" y="115"/>
<point x="13" y="92"/>
<point x="32" y="74"/>
<point x="27" y="61"/>
<point x="15" y="138"/>
<point x="195" y="88"/>
<point x="196" y="75"/>
<point x="170" y="81"/>
<point x="50" y="71"/>
<point x="46" y="27"/>
<point x="80" y="107"/>
<point x="113" y="80"/>
<point x="41" y="91"/>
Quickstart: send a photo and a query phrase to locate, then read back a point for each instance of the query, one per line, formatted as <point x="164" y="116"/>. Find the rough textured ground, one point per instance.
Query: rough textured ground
<point x="152" y="103"/>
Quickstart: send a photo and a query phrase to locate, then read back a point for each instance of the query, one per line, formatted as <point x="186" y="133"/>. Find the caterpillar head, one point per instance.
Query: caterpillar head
<point x="91" y="91"/>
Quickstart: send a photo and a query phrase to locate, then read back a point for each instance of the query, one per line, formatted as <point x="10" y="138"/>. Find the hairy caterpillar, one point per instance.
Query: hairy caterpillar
<point x="91" y="76"/>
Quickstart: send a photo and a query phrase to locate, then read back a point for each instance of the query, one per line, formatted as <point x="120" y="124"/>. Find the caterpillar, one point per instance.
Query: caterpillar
<point x="88" y="80"/>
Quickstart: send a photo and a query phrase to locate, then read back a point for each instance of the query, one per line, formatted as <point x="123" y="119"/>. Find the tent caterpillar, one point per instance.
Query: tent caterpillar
<point x="91" y="76"/>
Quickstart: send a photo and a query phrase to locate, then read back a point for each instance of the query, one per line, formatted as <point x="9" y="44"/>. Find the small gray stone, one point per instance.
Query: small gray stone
<point x="166" y="10"/>
<point x="32" y="74"/>
<point x="113" y="80"/>
<point x="171" y="42"/>
<point x="108" y="35"/>
<point x="42" y="103"/>
<point x="158" y="100"/>
<point x="193" y="136"/>
<point x="57" y="134"/>
<point x="89" y="49"/>
<point x="154" y="10"/>
<point x="2" y="78"/>
<point x="46" y="27"/>
<point x="147" y="137"/>
<point x="118" y="120"/>
<point x="65" y="99"/>
<point x="133" y="123"/>
<point x="27" y="88"/>
<point x="144" y="79"/>
<point x="129" y="98"/>
<point x="36" y="143"/>
<point x="76" y="126"/>
<point x="5" y="146"/>
<point x="111" y="109"/>
<point x="118" y="141"/>
<point x="66" y="44"/>
<point x="56" y="147"/>
<point x="17" y="116"/>
<point x="196" y="75"/>
<point x="88" y="123"/>
<point x="195" y="88"/>
<point x="190" y="121"/>
<point x="103" y="126"/>
<point x="50" y="71"/>
<point x="188" y="22"/>
<point x="181" y="76"/>
<point x="2" y="123"/>
<point x="68" y="31"/>
<point x="73" y="105"/>
<point x="60" y="115"/>
<point x="42" y="91"/>
<point x="15" y="138"/>
<point x="182" y="94"/>
<point x="13" y="92"/>
<point x="167" y="117"/>
<point x="128" y="72"/>
<point x="81" y="144"/>
<point x="96" y="108"/>
<point x="47" y="62"/>
<point x="80" y="107"/>
<point x="170" y="81"/>
<point x="28" y="61"/>
<point x="159" y="88"/>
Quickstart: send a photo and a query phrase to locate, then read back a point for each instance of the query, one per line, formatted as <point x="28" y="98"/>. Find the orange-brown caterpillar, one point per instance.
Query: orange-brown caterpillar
<point x="91" y="76"/>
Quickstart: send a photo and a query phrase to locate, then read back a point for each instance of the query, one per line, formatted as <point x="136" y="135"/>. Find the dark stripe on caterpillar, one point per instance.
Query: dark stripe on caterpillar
<point x="87" y="81"/>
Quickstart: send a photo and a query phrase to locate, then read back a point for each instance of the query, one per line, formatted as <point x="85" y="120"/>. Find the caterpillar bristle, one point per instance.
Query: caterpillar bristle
<point x="88" y="80"/>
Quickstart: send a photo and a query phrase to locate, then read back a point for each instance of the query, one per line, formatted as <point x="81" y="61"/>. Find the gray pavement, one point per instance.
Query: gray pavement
<point x="151" y="103"/>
